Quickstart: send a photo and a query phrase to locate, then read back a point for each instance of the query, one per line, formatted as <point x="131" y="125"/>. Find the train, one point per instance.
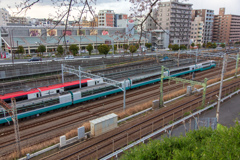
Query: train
<point x="74" y="97"/>
<point x="49" y="90"/>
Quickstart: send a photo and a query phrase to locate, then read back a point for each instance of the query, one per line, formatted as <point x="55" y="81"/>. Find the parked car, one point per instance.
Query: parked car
<point x="35" y="59"/>
<point x="153" y="49"/>
<point x="69" y="57"/>
<point x="86" y="57"/>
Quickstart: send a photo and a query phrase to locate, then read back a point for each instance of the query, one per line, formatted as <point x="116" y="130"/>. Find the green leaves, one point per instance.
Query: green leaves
<point x="223" y="143"/>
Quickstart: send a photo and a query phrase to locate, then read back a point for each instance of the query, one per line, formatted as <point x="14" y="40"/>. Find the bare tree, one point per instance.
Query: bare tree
<point x="141" y="10"/>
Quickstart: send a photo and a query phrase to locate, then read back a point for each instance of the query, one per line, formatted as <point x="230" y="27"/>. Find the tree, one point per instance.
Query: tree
<point x="132" y="49"/>
<point x="209" y="45"/>
<point x="222" y="45"/>
<point x="103" y="49"/>
<point x="199" y="46"/>
<point x="89" y="48"/>
<point x="115" y="48"/>
<point x="192" y="44"/>
<point x="148" y="45"/>
<point x="170" y="46"/>
<point x="183" y="47"/>
<point x="20" y="50"/>
<point x="41" y="49"/>
<point x="74" y="49"/>
<point x="60" y="49"/>
<point x="204" y="45"/>
<point x="175" y="47"/>
<point x="125" y="46"/>
<point x="214" y="45"/>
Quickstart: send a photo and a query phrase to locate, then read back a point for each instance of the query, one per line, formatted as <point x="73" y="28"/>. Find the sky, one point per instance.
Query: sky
<point x="44" y="8"/>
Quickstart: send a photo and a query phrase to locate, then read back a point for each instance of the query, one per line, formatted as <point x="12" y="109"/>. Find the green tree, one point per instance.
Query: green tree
<point x="148" y="45"/>
<point x="103" y="49"/>
<point x="175" y="47"/>
<point x="41" y="49"/>
<point x="115" y="48"/>
<point x="183" y="47"/>
<point x="170" y="46"/>
<point x="204" y="45"/>
<point x="125" y="46"/>
<point x="60" y="49"/>
<point x="132" y="49"/>
<point x="136" y="45"/>
<point x="74" y="49"/>
<point x="222" y="45"/>
<point x="214" y="45"/>
<point x="209" y="45"/>
<point x="89" y="48"/>
<point x="192" y="44"/>
<point x="199" y="46"/>
<point x="20" y="50"/>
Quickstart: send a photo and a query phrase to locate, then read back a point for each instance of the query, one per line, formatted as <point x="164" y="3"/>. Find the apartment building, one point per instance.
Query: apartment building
<point x="175" y="17"/>
<point x="207" y="17"/>
<point x="18" y="20"/>
<point x="197" y="30"/>
<point x="4" y="17"/>
<point x="226" y="28"/>
<point x="106" y="18"/>
<point x="120" y="20"/>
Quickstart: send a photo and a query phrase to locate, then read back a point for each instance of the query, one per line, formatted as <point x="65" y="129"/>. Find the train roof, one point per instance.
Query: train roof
<point x="17" y="94"/>
<point x="63" y="85"/>
<point x="22" y="93"/>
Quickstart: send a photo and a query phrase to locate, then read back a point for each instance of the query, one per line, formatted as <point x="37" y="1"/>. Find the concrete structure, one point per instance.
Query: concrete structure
<point x="120" y="20"/>
<point x="30" y="37"/>
<point x="106" y="18"/>
<point x="175" y="17"/>
<point x="4" y="17"/>
<point x="81" y="132"/>
<point x="207" y="17"/>
<point x="18" y="20"/>
<point x="103" y="124"/>
<point x="197" y="30"/>
<point x="226" y="28"/>
<point x="63" y="141"/>
<point x="158" y="38"/>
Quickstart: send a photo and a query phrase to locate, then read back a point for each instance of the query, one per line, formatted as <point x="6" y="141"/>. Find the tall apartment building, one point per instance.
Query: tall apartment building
<point x="120" y="20"/>
<point x="106" y="18"/>
<point x="175" y="17"/>
<point x="197" y="30"/>
<point x="226" y="28"/>
<point x="207" y="17"/>
<point x="4" y="17"/>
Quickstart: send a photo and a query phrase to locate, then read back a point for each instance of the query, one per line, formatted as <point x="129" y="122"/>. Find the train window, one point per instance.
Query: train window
<point x="179" y="70"/>
<point x="37" y="95"/>
<point x="58" y="91"/>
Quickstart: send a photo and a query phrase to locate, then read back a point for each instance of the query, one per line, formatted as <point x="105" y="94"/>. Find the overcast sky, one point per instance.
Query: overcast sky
<point x="44" y="7"/>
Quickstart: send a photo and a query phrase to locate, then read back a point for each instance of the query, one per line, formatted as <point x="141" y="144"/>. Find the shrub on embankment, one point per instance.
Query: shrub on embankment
<point x="223" y="143"/>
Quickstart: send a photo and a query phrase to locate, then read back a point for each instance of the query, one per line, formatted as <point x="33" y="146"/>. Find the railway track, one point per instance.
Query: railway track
<point x="100" y="146"/>
<point x="99" y="112"/>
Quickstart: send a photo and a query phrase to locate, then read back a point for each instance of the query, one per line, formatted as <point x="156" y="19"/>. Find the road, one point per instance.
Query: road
<point x="18" y="61"/>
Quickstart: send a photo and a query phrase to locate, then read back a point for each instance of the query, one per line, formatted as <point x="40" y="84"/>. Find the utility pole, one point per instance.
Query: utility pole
<point x="161" y="88"/>
<point x="80" y="77"/>
<point x="178" y="51"/>
<point x="220" y="91"/>
<point x="237" y="65"/>
<point x="16" y="127"/>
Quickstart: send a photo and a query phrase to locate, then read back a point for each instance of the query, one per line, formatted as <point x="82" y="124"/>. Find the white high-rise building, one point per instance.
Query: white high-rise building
<point x="4" y="17"/>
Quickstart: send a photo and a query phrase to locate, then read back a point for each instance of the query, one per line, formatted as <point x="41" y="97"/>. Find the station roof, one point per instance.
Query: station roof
<point x="73" y="39"/>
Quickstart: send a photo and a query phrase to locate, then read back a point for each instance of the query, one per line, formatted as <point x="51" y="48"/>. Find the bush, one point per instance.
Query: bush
<point x="205" y="143"/>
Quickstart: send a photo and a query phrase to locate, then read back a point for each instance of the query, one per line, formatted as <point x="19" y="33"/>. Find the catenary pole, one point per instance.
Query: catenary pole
<point x="220" y="91"/>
